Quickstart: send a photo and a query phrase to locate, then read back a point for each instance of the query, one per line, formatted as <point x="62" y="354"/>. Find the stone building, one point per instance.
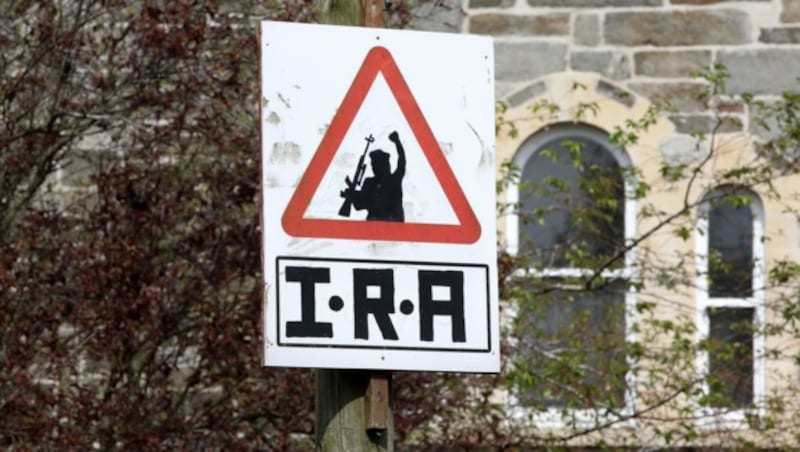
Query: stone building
<point x="649" y="47"/>
<point x="581" y="71"/>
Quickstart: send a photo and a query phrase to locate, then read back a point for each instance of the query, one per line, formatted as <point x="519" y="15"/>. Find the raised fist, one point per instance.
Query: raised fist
<point x="394" y="136"/>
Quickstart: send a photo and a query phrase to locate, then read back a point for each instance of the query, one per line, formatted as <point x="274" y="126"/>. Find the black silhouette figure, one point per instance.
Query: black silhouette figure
<point x="344" y="211"/>
<point x="382" y="194"/>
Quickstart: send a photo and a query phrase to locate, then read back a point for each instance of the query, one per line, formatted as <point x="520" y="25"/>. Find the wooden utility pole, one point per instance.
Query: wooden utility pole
<point x="354" y="409"/>
<point x="365" y="13"/>
<point x="372" y="13"/>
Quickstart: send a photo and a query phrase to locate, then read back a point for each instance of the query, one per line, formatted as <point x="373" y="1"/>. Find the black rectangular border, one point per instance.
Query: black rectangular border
<point x="485" y="267"/>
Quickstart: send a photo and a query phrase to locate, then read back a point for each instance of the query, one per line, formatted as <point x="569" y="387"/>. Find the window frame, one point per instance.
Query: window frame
<point x="722" y="417"/>
<point x="560" y="417"/>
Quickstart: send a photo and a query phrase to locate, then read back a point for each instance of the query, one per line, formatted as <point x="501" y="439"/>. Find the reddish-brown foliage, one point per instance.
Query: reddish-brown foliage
<point x="130" y="287"/>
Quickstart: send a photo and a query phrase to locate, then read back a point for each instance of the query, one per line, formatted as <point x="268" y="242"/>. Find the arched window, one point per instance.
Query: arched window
<point x="572" y="220"/>
<point x="572" y="198"/>
<point x="729" y="298"/>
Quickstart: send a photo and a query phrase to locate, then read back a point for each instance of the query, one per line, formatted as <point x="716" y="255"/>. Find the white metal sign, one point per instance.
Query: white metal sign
<point x="378" y="199"/>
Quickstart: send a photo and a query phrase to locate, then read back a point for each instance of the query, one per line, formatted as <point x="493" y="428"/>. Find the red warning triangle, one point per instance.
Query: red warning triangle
<point x="468" y="230"/>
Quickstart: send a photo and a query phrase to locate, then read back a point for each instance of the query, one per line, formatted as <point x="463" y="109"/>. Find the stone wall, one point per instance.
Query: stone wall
<point x="649" y="47"/>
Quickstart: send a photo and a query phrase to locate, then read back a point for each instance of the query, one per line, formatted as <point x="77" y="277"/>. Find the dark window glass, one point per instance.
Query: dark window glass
<point x="730" y="249"/>
<point x="730" y="357"/>
<point x="574" y="348"/>
<point x="571" y="202"/>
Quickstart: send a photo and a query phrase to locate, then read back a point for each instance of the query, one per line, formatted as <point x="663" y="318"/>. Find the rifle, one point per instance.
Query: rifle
<point x="344" y="211"/>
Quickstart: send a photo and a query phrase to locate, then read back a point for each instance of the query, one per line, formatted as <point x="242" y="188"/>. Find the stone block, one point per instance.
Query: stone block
<point x="78" y="167"/>
<point x="616" y="93"/>
<point x="791" y="11"/>
<point x="614" y="65"/>
<point x="594" y="3"/>
<point x="682" y="96"/>
<point x="763" y="123"/>
<point x="519" y="61"/>
<point x="442" y="15"/>
<point x="491" y="3"/>
<point x="711" y="2"/>
<point x="505" y="25"/>
<point x="788" y="35"/>
<point x="761" y="71"/>
<point x="706" y="124"/>
<point x="587" y="29"/>
<point x="501" y="89"/>
<point x="684" y="150"/>
<point x="726" y="105"/>
<point x="529" y="92"/>
<point x="678" y="28"/>
<point x="671" y="64"/>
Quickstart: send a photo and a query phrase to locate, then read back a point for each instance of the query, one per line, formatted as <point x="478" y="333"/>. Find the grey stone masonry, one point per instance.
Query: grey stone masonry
<point x="491" y="3"/>
<point x="762" y="124"/>
<point x="595" y="3"/>
<point x="646" y="50"/>
<point x="791" y="11"/>
<point x="616" y="93"/>
<point x="727" y="105"/>
<point x="787" y="35"/>
<point x="683" y="96"/>
<point x="442" y="15"/>
<point x="762" y="71"/>
<point x="587" y="29"/>
<point x="678" y="28"/>
<point x="691" y="124"/>
<point x="518" y="61"/>
<point x="527" y="93"/>
<point x="505" y="24"/>
<point x="614" y="65"/>
<point x="78" y="167"/>
<point x="711" y="2"/>
<point x="683" y="150"/>
<point x="671" y="64"/>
